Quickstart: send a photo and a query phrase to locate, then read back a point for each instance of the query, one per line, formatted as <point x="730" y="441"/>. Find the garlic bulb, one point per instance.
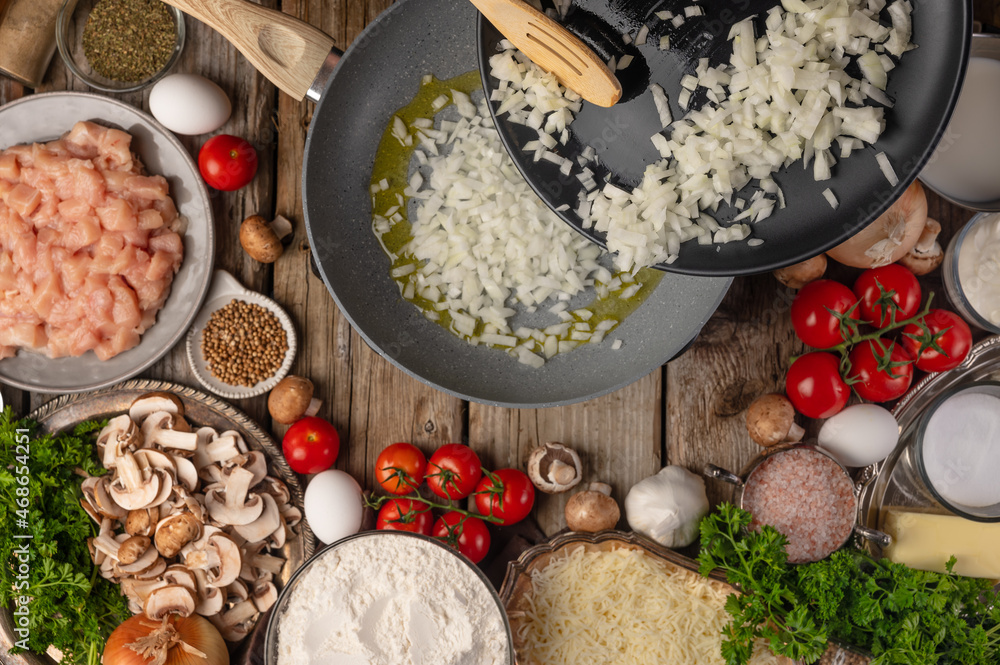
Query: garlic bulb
<point x="667" y="507"/>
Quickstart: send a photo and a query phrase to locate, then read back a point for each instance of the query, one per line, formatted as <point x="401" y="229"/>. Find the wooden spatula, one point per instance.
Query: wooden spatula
<point x="554" y="49"/>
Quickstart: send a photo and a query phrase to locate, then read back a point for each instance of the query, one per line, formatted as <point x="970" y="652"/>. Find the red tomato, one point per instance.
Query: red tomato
<point x="227" y="162"/>
<point x="311" y="445"/>
<point x="405" y="515"/>
<point x="882" y="372"/>
<point x="900" y="286"/>
<point x="453" y="471"/>
<point x="811" y="312"/>
<point x="814" y="386"/>
<point x="400" y="468"/>
<point x="507" y="494"/>
<point x="941" y="343"/>
<point x="468" y="534"/>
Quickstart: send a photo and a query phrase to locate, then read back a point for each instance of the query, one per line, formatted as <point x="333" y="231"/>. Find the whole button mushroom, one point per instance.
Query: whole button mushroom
<point x="593" y="509"/>
<point x="771" y="420"/>
<point x="261" y="240"/>
<point x="554" y="468"/>
<point x="292" y="399"/>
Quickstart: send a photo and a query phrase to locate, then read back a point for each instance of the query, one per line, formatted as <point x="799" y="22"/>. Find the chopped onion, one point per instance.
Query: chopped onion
<point x="830" y="198"/>
<point x="886" y="167"/>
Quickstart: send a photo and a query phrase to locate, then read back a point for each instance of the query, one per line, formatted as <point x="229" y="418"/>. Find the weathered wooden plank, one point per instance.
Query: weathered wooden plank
<point x="617" y="436"/>
<point x="371" y="402"/>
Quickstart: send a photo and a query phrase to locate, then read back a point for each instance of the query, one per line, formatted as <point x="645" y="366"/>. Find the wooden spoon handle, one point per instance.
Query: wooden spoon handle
<point x="289" y="52"/>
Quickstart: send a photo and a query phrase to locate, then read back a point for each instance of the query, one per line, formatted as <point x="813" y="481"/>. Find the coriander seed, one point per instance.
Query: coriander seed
<point x="243" y="344"/>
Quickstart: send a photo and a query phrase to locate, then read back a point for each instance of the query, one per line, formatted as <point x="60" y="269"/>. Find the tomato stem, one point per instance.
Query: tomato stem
<point x="375" y="502"/>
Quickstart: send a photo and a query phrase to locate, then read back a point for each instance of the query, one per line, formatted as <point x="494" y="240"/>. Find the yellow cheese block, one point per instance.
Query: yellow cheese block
<point x="926" y="541"/>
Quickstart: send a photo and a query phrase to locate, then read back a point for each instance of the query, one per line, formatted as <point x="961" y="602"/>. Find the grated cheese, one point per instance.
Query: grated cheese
<point x="622" y="608"/>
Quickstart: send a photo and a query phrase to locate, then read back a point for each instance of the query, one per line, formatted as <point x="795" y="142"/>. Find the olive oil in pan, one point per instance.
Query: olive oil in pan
<point x="389" y="180"/>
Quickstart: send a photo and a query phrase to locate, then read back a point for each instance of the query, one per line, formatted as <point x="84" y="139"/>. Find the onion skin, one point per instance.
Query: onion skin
<point x="195" y="631"/>
<point x="910" y="208"/>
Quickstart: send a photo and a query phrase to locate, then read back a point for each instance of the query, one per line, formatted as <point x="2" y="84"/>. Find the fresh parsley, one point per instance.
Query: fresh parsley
<point x="899" y="615"/>
<point x="71" y="607"/>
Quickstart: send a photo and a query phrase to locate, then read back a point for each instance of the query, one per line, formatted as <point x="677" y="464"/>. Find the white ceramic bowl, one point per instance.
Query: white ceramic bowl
<point x="47" y="116"/>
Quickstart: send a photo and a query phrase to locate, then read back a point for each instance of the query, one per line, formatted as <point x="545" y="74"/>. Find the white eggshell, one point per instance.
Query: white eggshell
<point x="189" y="104"/>
<point x="860" y="435"/>
<point x="333" y="505"/>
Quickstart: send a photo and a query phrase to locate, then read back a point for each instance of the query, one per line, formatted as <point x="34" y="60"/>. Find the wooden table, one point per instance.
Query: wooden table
<point x="688" y="412"/>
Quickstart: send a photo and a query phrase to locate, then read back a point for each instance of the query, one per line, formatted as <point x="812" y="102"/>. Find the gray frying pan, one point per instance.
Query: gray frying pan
<point x="378" y="74"/>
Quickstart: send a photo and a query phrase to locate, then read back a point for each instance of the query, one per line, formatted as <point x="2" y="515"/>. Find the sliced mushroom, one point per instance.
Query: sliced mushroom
<point x="224" y="447"/>
<point x="265" y="595"/>
<point x="205" y="435"/>
<point x="210" y="599"/>
<point x="181" y="575"/>
<point x="154" y="571"/>
<point x="253" y="461"/>
<point x="142" y="522"/>
<point x="265" y="525"/>
<point x="219" y="557"/>
<point x="232" y="504"/>
<point x="237" y="590"/>
<point x="187" y="473"/>
<point x="256" y="563"/>
<point x="143" y="564"/>
<point x="554" y="468"/>
<point x="277" y="489"/>
<point x="291" y="515"/>
<point x="119" y="435"/>
<point x="153" y="403"/>
<point x="132" y="548"/>
<point x="169" y="599"/>
<point x="150" y="458"/>
<point x="129" y="489"/>
<point x="176" y="531"/>
<point x="158" y="429"/>
<point x="106" y="545"/>
<point x="107" y="506"/>
<point x="137" y="591"/>
<point x="234" y="624"/>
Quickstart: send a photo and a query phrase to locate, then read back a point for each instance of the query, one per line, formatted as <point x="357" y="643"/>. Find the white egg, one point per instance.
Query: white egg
<point x="860" y="435"/>
<point x="333" y="505"/>
<point x="189" y="104"/>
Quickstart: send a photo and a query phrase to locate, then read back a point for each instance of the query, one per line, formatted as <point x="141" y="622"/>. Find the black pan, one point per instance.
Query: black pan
<point x="924" y="86"/>
<point x="378" y="74"/>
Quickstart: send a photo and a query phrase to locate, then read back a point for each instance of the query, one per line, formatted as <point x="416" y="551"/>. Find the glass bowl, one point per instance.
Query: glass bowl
<point x="70" y="23"/>
<point x="281" y="606"/>
<point x="951" y="275"/>
<point x="989" y="513"/>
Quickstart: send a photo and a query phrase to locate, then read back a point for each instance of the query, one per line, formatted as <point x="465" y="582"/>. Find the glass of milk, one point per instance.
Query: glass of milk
<point x="965" y="166"/>
<point x="971" y="271"/>
<point x="957" y="451"/>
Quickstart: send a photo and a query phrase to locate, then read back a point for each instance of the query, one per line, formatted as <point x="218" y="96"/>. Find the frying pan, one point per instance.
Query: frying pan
<point x="924" y="86"/>
<point x="378" y="74"/>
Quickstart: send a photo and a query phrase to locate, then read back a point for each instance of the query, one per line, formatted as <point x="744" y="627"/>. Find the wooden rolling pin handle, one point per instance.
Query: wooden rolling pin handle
<point x="289" y="52"/>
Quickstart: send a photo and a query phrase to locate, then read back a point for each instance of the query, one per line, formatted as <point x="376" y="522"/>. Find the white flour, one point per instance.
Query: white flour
<point x="391" y="600"/>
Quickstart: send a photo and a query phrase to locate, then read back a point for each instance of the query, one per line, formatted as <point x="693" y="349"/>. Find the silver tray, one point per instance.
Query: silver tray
<point x="201" y="409"/>
<point x="891" y="482"/>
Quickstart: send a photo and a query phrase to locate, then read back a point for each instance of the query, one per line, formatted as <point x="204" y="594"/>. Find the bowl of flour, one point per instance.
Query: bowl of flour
<point x="388" y="598"/>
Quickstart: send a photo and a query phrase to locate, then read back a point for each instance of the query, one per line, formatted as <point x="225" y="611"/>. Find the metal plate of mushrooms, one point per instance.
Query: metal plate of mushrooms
<point x="200" y="512"/>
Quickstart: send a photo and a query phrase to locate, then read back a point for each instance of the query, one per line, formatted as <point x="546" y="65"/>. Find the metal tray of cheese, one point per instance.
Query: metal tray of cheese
<point x="892" y="482"/>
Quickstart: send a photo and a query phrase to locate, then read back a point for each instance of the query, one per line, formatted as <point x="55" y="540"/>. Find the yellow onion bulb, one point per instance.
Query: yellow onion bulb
<point x="174" y="640"/>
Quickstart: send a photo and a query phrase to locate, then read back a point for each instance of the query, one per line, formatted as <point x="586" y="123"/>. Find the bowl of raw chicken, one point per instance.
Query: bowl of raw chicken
<point x="106" y="242"/>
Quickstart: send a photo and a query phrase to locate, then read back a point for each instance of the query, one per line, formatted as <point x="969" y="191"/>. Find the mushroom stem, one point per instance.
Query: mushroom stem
<point x="313" y="408"/>
<point x="281" y="226"/>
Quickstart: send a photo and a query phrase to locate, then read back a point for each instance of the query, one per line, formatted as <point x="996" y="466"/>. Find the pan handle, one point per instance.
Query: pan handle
<point x="291" y="53"/>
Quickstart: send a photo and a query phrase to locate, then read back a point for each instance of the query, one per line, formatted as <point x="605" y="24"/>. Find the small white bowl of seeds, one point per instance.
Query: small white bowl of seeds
<point x="242" y="343"/>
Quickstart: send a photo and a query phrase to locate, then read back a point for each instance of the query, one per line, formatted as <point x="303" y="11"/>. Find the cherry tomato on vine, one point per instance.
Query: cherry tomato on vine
<point x="882" y="371"/>
<point x="506" y="494"/>
<point x="227" y="162"/>
<point x="400" y="468"/>
<point x="405" y="515"/>
<point x="811" y="312"/>
<point x="311" y="445"/>
<point x="942" y="329"/>
<point x="896" y="280"/>
<point x="453" y="471"/>
<point x="814" y="385"/>
<point x="468" y="535"/>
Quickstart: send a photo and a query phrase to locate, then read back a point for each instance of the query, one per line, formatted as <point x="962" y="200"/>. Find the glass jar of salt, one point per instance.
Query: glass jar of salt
<point x="957" y="451"/>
